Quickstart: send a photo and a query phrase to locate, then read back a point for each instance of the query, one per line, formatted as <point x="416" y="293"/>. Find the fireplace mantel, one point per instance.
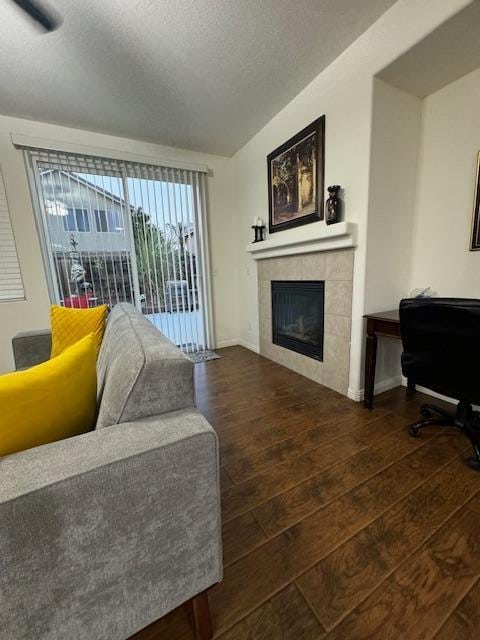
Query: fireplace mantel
<point x="306" y="239"/>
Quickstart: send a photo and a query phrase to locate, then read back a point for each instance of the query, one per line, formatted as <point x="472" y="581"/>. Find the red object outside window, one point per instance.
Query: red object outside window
<point x="78" y="302"/>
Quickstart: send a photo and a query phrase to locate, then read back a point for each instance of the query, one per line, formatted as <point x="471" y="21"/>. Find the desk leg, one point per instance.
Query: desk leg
<point x="370" y="364"/>
<point x="410" y="386"/>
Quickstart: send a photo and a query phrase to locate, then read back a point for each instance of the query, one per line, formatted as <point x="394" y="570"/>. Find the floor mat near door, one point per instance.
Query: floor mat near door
<point x="203" y="356"/>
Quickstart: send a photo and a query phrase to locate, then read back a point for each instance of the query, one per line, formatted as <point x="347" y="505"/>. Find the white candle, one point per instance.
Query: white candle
<point x="255" y="221"/>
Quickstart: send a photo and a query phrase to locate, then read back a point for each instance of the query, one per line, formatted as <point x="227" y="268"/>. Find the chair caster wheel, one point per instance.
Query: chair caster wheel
<point x="426" y="413"/>
<point x="413" y="431"/>
<point x="474" y="463"/>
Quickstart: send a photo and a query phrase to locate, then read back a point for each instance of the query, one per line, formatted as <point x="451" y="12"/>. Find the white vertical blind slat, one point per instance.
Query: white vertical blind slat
<point x="196" y="196"/>
<point x="171" y="255"/>
<point x="178" y="241"/>
<point x="153" y="233"/>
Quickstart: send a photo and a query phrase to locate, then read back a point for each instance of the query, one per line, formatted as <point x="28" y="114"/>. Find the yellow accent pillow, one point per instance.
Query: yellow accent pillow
<point x="52" y="401"/>
<point x="71" y="325"/>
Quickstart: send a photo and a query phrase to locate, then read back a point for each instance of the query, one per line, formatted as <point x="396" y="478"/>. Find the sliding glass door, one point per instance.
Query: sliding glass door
<point x="114" y="231"/>
<point x="166" y="236"/>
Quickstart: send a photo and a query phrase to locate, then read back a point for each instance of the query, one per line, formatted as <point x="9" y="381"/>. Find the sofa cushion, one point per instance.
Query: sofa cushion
<point x="140" y="372"/>
<point x="49" y="402"/>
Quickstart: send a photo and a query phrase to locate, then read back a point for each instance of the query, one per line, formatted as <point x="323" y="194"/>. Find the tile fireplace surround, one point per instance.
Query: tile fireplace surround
<point x="336" y="269"/>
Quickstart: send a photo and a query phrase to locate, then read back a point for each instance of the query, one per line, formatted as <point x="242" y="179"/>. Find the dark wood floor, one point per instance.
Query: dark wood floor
<point x="336" y="523"/>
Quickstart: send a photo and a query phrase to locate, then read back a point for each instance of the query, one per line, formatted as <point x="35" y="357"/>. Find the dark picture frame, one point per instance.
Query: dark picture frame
<point x="296" y="179"/>
<point x="475" y="238"/>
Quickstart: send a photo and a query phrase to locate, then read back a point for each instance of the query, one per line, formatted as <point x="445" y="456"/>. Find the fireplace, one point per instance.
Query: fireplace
<point x="298" y="316"/>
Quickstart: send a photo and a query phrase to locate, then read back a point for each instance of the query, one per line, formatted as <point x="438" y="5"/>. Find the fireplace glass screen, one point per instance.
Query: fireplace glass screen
<point x="298" y="316"/>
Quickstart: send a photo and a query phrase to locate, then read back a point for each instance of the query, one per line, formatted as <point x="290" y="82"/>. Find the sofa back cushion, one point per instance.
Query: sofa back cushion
<point x="140" y="372"/>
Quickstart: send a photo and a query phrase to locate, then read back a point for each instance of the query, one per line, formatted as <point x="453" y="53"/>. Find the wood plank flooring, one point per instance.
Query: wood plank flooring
<point x="336" y="523"/>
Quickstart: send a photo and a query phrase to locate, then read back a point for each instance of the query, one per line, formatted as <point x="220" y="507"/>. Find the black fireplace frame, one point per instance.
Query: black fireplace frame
<point x="300" y="346"/>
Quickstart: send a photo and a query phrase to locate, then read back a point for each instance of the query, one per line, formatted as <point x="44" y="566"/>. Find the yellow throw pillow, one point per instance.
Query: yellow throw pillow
<point x="71" y="325"/>
<point x="52" y="401"/>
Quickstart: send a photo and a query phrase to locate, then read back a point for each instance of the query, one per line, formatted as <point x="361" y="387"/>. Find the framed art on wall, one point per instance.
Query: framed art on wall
<point x="296" y="179"/>
<point x="475" y="240"/>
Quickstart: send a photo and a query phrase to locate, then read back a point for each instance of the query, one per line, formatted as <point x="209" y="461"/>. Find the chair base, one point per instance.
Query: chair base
<point x="473" y="463"/>
<point x="464" y="419"/>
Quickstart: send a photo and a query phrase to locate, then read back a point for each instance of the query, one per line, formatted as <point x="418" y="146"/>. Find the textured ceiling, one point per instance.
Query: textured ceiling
<point x="198" y="74"/>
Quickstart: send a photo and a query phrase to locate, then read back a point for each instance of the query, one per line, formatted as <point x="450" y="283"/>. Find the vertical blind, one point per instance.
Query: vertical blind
<point x="11" y="285"/>
<point x="116" y="231"/>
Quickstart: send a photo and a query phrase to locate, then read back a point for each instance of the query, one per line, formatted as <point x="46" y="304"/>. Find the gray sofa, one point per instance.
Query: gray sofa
<point x="104" y="533"/>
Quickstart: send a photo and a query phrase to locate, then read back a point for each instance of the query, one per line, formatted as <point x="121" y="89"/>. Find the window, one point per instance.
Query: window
<point x="11" y="285"/>
<point x="76" y="220"/>
<point x="109" y="220"/>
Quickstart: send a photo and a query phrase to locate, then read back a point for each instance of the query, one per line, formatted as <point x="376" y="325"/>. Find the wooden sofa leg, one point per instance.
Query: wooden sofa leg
<point x="201" y="617"/>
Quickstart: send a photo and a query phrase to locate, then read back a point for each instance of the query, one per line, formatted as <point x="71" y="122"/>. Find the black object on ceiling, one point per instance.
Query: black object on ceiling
<point x="46" y="18"/>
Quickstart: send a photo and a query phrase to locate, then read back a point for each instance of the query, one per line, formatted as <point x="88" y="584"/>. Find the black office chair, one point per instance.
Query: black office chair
<point x="441" y="351"/>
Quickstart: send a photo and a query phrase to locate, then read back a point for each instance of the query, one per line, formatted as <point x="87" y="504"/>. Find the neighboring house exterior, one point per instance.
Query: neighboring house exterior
<point x="77" y="206"/>
<point x="91" y="249"/>
<point x="87" y="230"/>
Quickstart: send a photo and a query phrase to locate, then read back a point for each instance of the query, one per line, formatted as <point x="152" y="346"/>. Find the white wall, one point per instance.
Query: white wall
<point x="344" y="93"/>
<point x="396" y="125"/>
<point x="238" y="190"/>
<point x="445" y="188"/>
<point x="34" y="311"/>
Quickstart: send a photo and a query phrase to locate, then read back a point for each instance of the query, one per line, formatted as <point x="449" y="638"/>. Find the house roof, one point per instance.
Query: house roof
<point x="90" y="185"/>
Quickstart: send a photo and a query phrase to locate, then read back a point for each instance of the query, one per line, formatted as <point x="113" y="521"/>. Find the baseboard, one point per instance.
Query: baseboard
<point x="429" y="392"/>
<point x="227" y="343"/>
<point x="391" y="383"/>
<point x="380" y="387"/>
<point x="237" y="342"/>
<point x="248" y="345"/>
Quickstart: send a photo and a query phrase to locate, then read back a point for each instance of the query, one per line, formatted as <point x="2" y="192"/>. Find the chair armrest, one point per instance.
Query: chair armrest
<point x="103" y="533"/>
<point x="31" y="348"/>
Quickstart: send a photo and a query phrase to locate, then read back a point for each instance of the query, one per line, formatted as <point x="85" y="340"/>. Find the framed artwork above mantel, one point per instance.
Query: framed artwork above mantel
<point x="296" y="179"/>
<point x="475" y="239"/>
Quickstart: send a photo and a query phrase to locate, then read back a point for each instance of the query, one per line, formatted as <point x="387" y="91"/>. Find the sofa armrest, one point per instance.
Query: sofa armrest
<point x="31" y="348"/>
<point x="103" y="533"/>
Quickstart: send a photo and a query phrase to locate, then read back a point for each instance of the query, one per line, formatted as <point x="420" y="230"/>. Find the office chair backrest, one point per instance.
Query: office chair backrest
<point x="441" y="345"/>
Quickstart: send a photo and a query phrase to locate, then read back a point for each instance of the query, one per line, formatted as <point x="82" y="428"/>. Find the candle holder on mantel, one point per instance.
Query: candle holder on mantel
<point x="258" y="229"/>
